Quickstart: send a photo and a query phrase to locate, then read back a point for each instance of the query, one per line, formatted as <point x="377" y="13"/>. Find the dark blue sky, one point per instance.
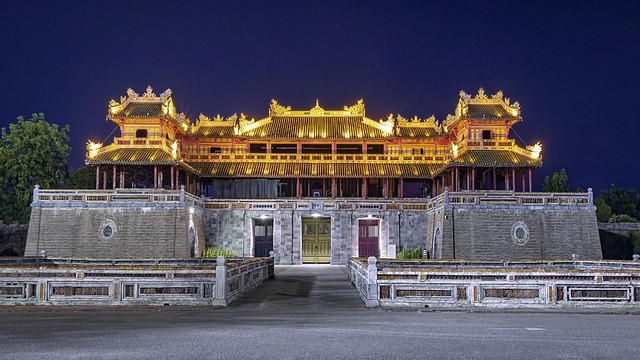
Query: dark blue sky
<point x="573" y="66"/>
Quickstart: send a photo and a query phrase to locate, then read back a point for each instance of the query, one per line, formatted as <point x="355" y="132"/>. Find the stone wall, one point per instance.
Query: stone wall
<point x="13" y="238"/>
<point x="519" y="232"/>
<point x="232" y="230"/>
<point x="114" y="230"/>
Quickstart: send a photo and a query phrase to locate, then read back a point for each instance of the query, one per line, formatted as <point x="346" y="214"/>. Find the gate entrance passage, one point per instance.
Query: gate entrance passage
<point x="316" y="240"/>
<point x="368" y="235"/>
<point x="262" y="237"/>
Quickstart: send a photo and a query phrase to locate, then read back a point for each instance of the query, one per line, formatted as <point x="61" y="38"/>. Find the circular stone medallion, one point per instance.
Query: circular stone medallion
<point x="520" y="233"/>
<point x="108" y="229"/>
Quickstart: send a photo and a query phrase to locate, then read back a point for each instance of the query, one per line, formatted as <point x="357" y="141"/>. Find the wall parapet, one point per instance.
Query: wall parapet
<point x="44" y="281"/>
<point x="532" y="284"/>
<point x="180" y="196"/>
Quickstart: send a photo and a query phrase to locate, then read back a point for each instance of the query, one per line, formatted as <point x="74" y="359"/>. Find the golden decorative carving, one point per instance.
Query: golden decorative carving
<point x="218" y="118"/>
<point x="481" y="94"/>
<point x="464" y="96"/>
<point x="113" y="103"/>
<point x="357" y="108"/>
<point x="149" y="93"/>
<point x="166" y="94"/>
<point x="131" y="93"/>
<point x="497" y="96"/>
<point x="202" y="117"/>
<point x="275" y="108"/>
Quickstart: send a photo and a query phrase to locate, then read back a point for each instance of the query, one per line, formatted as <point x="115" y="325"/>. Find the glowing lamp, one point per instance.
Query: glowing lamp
<point x="93" y="148"/>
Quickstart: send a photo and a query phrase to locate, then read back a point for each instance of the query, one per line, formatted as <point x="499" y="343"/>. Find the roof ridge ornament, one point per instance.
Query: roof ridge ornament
<point x="356" y="109"/>
<point x="149" y="93"/>
<point x="481" y="94"/>
<point x="276" y="109"/>
<point x="166" y="94"/>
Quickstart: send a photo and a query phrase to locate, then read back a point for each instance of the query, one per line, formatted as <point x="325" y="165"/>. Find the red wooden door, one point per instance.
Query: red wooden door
<point x="368" y="235"/>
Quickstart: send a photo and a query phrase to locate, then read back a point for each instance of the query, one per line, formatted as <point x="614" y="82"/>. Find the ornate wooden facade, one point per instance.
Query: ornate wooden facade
<point x="315" y="152"/>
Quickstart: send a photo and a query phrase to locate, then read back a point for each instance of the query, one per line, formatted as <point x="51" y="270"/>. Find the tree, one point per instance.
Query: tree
<point x="33" y="152"/>
<point x="603" y="210"/>
<point x="557" y="182"/>
<point x="83" y="178"/>
<point x="622" y="201"/>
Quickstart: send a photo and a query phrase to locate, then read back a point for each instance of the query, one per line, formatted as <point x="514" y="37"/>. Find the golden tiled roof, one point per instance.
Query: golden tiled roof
<point x="214" y="131"/>
<point x="133" y="156"/>
<point x="320" y="127"/>
<point x="495" y="158"/>
<point x="488" y="111"/>
<point x="141" y="110"/>
<point x="299" y="169"/>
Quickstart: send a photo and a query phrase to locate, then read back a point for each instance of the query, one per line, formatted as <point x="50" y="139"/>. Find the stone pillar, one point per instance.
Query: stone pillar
<point x="221" y="282"/>
<point x="446" y="195"/>
<point x="122" y="177"/>
<point x="590" y="190"/>
<point x="372" y="283"/>
<point x="181" y="193"/>
<point x="36" y="189"/>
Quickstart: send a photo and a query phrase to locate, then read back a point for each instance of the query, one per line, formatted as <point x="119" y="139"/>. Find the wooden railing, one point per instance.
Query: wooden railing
<point x="330" y="158"/>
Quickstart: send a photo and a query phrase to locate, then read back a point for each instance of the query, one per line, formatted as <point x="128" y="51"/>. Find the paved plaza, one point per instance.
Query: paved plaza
<point x="311" y="312"/>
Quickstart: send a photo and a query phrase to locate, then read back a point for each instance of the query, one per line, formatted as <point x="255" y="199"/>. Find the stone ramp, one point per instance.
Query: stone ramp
<point x="302" y="289"/>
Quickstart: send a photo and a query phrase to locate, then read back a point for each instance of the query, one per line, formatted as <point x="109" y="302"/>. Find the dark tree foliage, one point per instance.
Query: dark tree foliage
<point x="32" y="152"/>
<point x="622" y="201"/>
<point x="83" y="178"/>
<point x="558" y="182"/>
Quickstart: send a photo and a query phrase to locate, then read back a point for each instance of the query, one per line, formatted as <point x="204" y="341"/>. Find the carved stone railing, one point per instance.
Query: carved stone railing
<point x="541" y="284"/>
<point x="447" y="198"/>
<point x="217" y="282"/>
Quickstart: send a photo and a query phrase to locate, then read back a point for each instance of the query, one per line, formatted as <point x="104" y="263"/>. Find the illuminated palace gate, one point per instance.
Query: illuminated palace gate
<point x="316" y="240"/>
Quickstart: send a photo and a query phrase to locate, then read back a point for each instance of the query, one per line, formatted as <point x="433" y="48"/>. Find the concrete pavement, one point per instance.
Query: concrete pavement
<point x="310" y="312"/>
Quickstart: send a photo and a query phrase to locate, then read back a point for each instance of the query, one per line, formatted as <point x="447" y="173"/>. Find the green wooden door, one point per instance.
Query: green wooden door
<point x="316" y="240"/>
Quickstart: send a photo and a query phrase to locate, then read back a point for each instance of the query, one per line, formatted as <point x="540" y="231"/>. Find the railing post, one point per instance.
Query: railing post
<point x="36" y="189"/>
<point x="181" y="193"/>
<point x="221" y="282"/>
<point x="372" y="283"/>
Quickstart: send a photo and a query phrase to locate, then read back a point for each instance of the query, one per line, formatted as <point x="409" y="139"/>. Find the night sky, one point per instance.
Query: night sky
<point x="573" y="66"/>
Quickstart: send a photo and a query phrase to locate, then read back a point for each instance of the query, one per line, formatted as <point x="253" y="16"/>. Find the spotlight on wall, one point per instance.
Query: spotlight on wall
<point x="263" y="216"/>
<point x="191" y="210"/>
<point x="315" y="215"/>
<point x="369" y="216"/>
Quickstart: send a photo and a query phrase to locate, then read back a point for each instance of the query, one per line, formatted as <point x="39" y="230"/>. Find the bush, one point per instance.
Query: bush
<point x="622" y="218"/>
<point x="214" y="253"/>
<point x="410" y="254"/>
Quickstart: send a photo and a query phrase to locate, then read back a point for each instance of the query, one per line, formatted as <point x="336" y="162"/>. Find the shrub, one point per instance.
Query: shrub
<point x="214" y="253"/>
<point x="622" y="218"/>
<point x="410" y="254"/>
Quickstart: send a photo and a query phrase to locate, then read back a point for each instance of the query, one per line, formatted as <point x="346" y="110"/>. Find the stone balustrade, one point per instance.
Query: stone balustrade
<point x="523" y="284"/>
<point x="43" y="281"/>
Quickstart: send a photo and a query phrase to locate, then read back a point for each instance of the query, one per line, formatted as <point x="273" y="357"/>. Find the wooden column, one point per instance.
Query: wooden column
<point x="122" y="177"/>
<point x="334" y="190"/>
<point x="155" y="176"/>
<point x="401" y="188"/>
<point x="506" y="180"/>
<point x="473" y="178"/>
<point x="456" y="180"/>
<point x="468" y="183"/>
<point x="173" y="173"/>
<point x="385" y="188"/>
<point x="530" y="188"/>
<point x="435" y="187"/>
<point x="495" y="182"/>
<point x="161" y="178"/>
<point x="523" y="188"/>
<point x="513" y="178"/>
<point x="104" y="180"/>
<point x="98" y="177"/>
<point x="298" y="188"/>
<point x="113" y="185"/>
<point x="364" y="188"/>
